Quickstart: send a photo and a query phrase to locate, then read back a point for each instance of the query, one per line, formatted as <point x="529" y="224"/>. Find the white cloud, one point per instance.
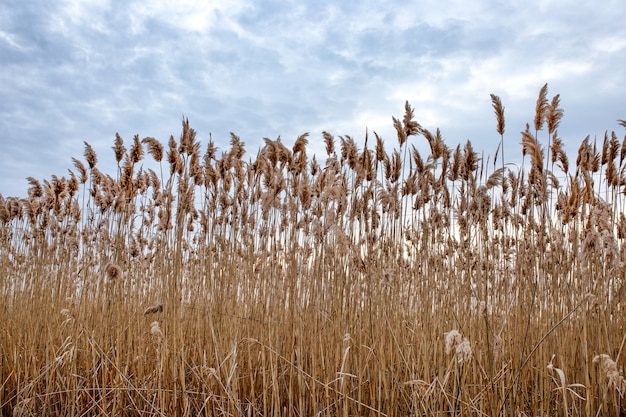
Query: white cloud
<point x="609" y="44"/>
<point x="70" y="14"/>
<point x="12" y="41"/>
<point x="81" y="70"/>
<point x="189" y="15"/>
<point x="441" y="14"/>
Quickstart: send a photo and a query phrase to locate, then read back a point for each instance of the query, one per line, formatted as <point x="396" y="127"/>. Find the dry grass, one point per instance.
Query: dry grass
<point x="379" y="283"/>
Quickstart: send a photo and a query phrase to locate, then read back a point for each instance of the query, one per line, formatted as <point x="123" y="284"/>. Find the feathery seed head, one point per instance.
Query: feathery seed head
<point x="112" y="271"/>
<point x="90" y="155"/>
<point x="119" y="148"/>
<point x="453" y="339"/>
<point x="464" y="351"/>
<point x="155" y="331"/>
<point x="542" y="107"/>
<point x="498" y="109"/>
<point x="609" y="368"/>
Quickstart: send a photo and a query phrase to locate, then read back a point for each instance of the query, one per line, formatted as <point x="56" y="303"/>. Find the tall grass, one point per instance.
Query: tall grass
<point x="383" y="282"/>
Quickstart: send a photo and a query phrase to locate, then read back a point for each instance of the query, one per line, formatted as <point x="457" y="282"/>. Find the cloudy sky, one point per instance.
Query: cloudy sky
<point x="74" y="71"/>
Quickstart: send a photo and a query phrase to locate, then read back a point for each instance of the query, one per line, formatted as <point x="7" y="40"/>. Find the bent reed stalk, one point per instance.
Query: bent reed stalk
<point x="377" y="282"/>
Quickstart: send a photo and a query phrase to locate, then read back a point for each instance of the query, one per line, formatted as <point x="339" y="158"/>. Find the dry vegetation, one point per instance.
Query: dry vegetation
<point x="396" y="283"/>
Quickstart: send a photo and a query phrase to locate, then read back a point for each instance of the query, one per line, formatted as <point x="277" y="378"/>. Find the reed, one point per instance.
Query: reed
<point x="369" y="281"/>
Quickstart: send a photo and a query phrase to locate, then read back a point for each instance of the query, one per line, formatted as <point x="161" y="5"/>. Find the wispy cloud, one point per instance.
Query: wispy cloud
<point x="76" y="70"/>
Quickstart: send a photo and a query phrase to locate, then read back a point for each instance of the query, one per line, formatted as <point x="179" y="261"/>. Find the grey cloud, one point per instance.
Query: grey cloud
<point x="285" y="68"/>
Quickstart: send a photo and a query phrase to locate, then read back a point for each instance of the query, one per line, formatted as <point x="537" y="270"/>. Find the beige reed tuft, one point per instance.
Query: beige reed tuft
<point x="320" y="275"/>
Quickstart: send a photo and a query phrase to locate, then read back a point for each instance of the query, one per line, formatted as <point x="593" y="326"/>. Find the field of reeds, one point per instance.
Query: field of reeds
<point x="376" y="279"/>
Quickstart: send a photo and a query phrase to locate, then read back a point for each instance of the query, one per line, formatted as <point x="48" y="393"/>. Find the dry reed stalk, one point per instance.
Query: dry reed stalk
<point x="250" y="251"/>
<point x="563" y="387"/>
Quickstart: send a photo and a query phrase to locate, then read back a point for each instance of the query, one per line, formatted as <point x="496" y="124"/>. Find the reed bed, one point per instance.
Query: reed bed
<point x="375" y="280"/>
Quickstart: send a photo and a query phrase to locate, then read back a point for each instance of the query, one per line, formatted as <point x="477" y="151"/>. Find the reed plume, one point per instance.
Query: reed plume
<point x="294" y="284"/>
<point x="90" y="156"/>
<point x="609" y="369"/>
<point x="498" y="109"/>
<point x="541" y="107"/>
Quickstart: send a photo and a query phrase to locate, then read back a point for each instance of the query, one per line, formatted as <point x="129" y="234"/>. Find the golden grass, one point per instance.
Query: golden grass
<point x="379" y="283"/>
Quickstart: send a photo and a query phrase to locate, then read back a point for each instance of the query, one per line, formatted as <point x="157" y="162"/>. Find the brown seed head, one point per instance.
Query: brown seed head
<point x="90" y="155"/>
<point x="119" y="148"/>
<point x="498" y="108"/>
<point x="112" y="271"/>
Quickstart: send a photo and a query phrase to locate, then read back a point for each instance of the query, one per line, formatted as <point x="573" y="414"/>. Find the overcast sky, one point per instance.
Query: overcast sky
<point x="74" y="71"/>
